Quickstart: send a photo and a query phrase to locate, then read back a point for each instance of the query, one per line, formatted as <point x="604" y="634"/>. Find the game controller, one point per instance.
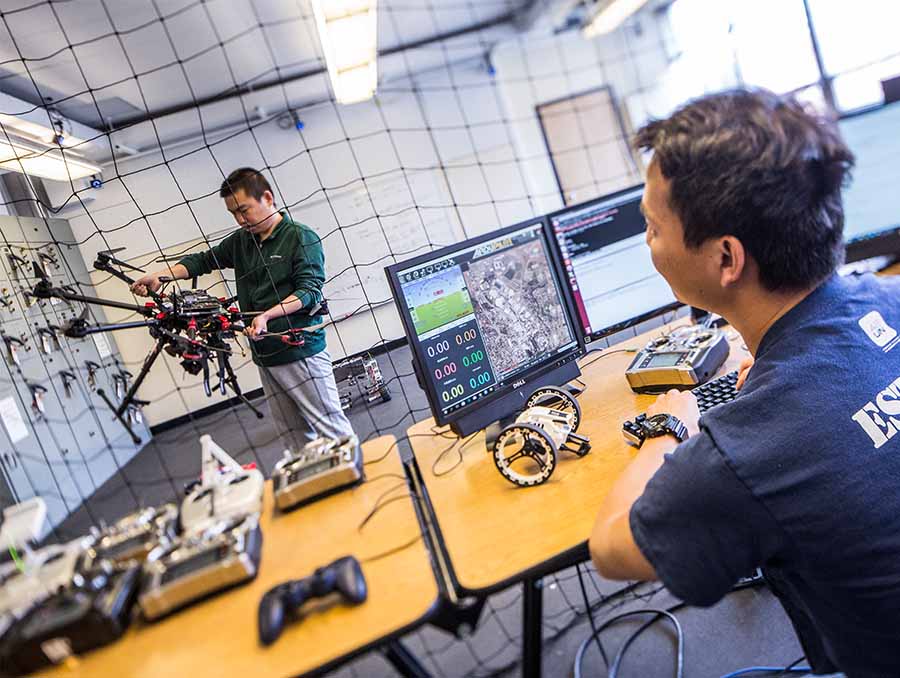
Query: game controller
<point x="343" y="577"/>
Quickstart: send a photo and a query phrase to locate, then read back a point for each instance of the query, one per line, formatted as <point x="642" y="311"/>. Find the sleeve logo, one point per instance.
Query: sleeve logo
<point x="877" y="329"/>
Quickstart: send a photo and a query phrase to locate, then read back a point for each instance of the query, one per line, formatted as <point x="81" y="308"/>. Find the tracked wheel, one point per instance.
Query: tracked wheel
<point x="525" y="455"/>
<point x="557" y="399"/>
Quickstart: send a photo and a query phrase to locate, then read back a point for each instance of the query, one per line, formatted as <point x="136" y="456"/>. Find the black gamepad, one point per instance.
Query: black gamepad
<point x="344" y="576"/>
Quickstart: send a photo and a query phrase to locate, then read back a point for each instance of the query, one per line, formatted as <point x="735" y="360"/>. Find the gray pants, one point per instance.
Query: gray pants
<point x="304" y="400"/>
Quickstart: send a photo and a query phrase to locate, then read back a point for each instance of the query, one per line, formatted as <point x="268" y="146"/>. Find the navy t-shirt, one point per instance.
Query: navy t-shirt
<point x="799" y="475"/>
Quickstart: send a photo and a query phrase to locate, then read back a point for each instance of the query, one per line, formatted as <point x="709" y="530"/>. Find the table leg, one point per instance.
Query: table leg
<point x="404" y="661"/>
<point x="532" y="626"/>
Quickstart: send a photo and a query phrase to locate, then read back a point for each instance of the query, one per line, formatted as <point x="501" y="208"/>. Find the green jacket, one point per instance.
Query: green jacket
<point x="289" y="261"/>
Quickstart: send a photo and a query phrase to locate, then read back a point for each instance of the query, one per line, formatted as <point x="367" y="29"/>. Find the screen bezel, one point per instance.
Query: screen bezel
<point x="595" y="335"/>
<point x="884" y="242"/>
<point x="550" y="363"/>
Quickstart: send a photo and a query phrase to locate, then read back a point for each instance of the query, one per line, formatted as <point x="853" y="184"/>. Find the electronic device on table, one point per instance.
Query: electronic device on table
<point x="226" y="489"/>
<point x="322" y="466"/>
<point x="34" y="578"/>
<point x="683" y="358"/>
<point x="488" y="321"/>
<point x="220" y="543"/>
<point x="608" y="270"/>
<point x="131" y="538"/>
<point x="59" y="599"/>
<point x="525" y="451"/>
<point x="343" y="578"/>
<point x="715" y="392"/>
<point x="92" y="611"/>
<point x="218" y="556"/>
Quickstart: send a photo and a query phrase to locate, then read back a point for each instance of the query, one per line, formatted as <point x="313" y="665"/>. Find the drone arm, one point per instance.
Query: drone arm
<point x="77" y="330"/>
<point x="43" y="290"/>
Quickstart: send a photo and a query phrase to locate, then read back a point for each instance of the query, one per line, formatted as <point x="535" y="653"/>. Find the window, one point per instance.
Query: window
<point x="588" y="145"/>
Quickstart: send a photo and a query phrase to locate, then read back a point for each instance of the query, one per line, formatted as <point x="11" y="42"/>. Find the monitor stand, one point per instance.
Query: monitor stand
<point x="503" y="410"/>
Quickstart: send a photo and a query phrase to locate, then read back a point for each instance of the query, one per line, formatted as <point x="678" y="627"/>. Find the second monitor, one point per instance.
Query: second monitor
<point x="607" y="264"/>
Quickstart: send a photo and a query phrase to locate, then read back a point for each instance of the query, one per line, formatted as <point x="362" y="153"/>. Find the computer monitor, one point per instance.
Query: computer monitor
<point x="871" y="214"/>
<point x="488" y="321"/>
<point x="607" y="265"/>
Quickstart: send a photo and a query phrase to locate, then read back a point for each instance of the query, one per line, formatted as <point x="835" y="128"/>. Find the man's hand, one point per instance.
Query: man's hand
<point x="144" y="285"/>
<point x="258" y="327"/>
<point x="743" y="371"/>
<point x="681" y="404"/>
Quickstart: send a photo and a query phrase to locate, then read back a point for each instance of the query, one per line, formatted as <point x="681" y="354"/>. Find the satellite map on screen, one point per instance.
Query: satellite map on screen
<point x="517" y="306"/>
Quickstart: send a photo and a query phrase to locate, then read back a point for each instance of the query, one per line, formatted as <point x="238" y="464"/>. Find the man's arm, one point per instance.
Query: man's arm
<point x="192" y="266"/>
<point x="308" y="270"/>
<point x="612" y="545"/>
<point x="290" y="304"/>
<point x="146" y="284"/>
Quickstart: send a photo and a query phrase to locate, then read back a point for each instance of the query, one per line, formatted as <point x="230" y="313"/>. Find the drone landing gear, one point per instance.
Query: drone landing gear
<point x="231" y="381"/>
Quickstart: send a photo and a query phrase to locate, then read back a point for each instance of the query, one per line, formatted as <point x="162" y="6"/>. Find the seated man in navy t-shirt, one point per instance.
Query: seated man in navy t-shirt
<point x="799" y="475"/>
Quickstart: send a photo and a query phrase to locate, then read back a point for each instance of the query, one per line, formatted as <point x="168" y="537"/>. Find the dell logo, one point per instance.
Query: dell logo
<point x="519" y="383"/>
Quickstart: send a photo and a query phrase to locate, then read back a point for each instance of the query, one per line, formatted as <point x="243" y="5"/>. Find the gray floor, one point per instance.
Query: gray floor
<point x="747" y="628"/>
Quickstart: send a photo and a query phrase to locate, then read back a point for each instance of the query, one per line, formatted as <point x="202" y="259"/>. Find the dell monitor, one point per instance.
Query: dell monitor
<point x="608" y="271"/>
<point x="488" y="321"/>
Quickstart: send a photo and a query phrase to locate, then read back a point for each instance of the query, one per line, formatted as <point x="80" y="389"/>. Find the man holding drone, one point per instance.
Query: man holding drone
<point x="279" y="269"/>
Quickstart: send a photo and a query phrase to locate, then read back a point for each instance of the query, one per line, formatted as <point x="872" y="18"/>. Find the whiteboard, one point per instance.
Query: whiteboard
<point x="382" y="220"/>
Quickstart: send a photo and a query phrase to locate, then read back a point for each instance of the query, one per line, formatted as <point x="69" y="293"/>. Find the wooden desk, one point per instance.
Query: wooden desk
<point x="495" y="533"/>
<point x="218" y="637"/>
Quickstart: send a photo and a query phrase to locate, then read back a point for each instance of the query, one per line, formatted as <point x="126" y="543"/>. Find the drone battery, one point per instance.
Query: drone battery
<point x="231" y="494"/>
<point x="73" y="621"/>
<point x="324" y="466"/>
<point x="135" y="535"/>
<point x="200" y="565"/>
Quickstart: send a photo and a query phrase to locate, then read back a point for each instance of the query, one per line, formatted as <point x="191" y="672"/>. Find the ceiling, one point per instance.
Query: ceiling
<point x="105" y="63"/>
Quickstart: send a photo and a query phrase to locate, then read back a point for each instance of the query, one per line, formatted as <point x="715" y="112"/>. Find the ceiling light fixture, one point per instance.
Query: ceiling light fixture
<point x="48" y="163"/>
<point x="609" y="15"/>
<point x="348" y="33"/>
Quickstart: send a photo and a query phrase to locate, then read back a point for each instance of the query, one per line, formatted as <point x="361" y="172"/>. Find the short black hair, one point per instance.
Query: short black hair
<point x="760" y="167"/>
<point x="251" y="181"/>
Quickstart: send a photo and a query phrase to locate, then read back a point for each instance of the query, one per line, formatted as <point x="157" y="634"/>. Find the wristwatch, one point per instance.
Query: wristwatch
<point x="642" y="427"/>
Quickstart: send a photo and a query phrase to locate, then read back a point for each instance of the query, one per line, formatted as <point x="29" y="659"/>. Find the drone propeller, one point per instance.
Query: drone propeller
<point x="106" y="256"/>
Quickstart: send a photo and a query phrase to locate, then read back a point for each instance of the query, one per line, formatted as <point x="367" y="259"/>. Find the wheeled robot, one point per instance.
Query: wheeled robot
<point x="526" y="450"/>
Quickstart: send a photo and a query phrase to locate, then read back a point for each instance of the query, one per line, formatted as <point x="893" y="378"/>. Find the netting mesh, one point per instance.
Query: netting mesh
<point x="178" y="94"/>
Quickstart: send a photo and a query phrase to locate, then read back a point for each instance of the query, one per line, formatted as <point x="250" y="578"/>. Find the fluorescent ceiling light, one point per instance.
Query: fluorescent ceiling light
<point x="609" y="15"/>
<point x="41" y="133"/>
<point x="348" y="33"/>
<point x="51" y="163"/>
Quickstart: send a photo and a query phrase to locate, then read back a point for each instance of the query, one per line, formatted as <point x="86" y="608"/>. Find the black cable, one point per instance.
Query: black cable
<point x="587" y="608"/>
<point x="604" y="353"/>
<point x="579" y="655"/>
<point x="617" y="662"/>
<point x="787" y="669"/>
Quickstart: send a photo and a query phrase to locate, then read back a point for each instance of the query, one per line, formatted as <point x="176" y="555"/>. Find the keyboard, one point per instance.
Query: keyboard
<point x="710" y="394"/>
<point x="717" y="391"/>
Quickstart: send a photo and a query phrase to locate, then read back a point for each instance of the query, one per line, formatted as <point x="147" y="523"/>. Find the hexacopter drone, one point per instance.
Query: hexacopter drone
<point x="190" y="324"/>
